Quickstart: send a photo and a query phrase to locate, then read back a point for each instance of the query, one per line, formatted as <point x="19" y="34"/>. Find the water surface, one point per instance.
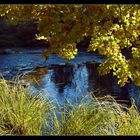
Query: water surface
<point x="65" y="79"/>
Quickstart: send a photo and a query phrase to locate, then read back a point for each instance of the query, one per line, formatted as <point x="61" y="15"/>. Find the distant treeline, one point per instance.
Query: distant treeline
<point x="19" y="35"/>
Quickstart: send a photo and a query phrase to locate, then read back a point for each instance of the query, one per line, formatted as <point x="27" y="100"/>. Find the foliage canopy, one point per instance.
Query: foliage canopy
<point x="112" y="29"/>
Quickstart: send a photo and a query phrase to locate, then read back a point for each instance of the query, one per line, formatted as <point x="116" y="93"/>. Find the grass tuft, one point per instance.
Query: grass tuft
<point x="20" y="112"/>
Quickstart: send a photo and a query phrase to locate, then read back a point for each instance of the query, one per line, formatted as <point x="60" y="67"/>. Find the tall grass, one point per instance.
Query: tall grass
<point x="24" y="114"/>
<point x="20" y="112"/>
<point x="102" y="116"/>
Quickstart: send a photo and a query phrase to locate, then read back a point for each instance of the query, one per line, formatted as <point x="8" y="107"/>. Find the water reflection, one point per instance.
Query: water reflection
<point x="104" y="83"/>
<point x="73" y="82"/>
<point x="79" y="85"/>
<point x="62" y="76"/>
<point x="64" y="83"/>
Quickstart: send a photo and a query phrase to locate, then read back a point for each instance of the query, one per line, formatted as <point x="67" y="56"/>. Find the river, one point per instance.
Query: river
<point x="63" y="80"/>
